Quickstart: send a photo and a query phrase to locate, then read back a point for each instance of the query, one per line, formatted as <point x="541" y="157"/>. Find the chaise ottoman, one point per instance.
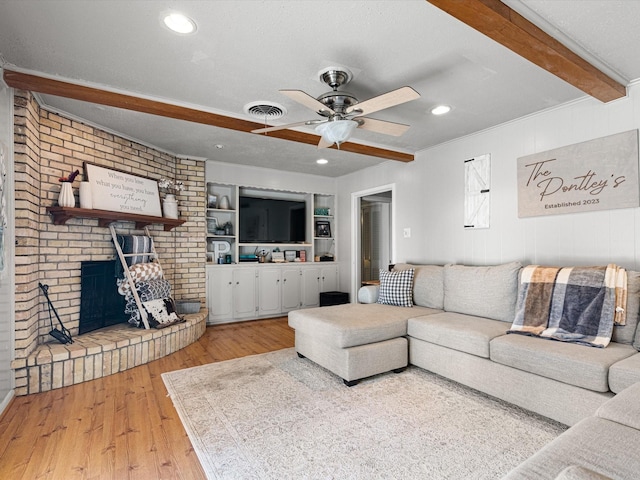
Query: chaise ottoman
<point x="354" y="341"/>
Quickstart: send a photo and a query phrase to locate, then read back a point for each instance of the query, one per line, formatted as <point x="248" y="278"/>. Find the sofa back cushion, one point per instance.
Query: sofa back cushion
<point x="629" y="333"/>
<point x="428" y="284"/>
<point x="487" y="291"/>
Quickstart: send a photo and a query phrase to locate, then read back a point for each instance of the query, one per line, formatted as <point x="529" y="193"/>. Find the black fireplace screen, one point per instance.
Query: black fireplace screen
<point x="100" y="303"/>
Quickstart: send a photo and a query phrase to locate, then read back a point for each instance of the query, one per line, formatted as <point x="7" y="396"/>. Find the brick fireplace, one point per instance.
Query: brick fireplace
<point x="47" y="146"/>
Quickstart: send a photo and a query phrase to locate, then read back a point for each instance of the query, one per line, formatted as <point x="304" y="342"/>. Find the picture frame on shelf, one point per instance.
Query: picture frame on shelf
<point x="212" y="200"/>
<point x="290" y="255"/>
<point x="323" y="228"/>
<point x="212" y="224"/>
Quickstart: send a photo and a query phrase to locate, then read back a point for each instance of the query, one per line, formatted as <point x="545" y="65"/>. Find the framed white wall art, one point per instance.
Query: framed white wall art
<point x="477" y="192"/>
<point x="600" y="174"/>
<point x="119" y="191"/>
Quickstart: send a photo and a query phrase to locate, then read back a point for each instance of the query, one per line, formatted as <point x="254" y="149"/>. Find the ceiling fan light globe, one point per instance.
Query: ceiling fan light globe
<point x="338" y="131"/>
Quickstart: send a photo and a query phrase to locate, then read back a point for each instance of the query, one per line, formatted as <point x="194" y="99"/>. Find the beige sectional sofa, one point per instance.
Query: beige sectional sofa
<point x="457" y="328"/>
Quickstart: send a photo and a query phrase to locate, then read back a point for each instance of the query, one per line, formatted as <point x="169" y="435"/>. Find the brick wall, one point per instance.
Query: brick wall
<point x="48" y="146"/>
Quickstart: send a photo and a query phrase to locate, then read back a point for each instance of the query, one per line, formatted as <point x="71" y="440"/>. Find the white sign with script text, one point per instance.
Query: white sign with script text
<point x="118" y="191"/>
<point x="600" y="174"/>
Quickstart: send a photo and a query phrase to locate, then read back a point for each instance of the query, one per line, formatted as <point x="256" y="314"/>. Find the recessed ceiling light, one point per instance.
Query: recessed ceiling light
<point x="179" y="23"/>
<point x="322" y="161"/>
<point x="441" y="109"/>
<point x="219" y="146"/>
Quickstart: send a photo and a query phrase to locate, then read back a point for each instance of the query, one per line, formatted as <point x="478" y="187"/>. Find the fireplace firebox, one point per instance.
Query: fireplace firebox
<point x="100" y="303"/>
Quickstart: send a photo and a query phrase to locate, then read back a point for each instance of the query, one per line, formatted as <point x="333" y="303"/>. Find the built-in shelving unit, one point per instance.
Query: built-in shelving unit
<point x="105" y="217"/>
<point x="222" y="201"/>
<point x="320" y="214"/>
<point x="323" y="226"/>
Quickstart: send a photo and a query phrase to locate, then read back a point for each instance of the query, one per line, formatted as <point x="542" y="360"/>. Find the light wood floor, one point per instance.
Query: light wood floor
<point x="121" y="426"/>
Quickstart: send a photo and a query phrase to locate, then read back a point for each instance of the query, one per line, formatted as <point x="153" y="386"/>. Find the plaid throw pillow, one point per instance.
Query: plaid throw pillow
<point x="396" y="288"/>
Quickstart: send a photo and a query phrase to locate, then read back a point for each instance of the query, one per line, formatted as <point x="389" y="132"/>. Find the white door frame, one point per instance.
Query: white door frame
<point x="356" y="228"/>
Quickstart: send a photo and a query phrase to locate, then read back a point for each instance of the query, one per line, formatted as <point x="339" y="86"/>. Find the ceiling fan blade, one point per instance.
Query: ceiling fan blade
<point x="307" y="100"/>
<point x="283" y="127"/>
<point x="382" y="126"/>
<point x="386" y="100"/>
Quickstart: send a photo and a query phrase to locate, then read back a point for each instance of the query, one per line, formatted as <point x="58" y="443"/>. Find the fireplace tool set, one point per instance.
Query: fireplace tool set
<point x="62" y="335"/>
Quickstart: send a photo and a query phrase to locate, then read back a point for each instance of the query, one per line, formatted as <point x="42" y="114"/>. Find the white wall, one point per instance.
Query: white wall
<point x="430" y="197"/>
<point x="7" y="283"/>
<point x="268" y="178"/>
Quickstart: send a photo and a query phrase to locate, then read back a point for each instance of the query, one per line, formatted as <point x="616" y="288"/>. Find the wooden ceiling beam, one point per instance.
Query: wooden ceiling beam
<point x="504" y="25"/>
<point x="35" y="83"/>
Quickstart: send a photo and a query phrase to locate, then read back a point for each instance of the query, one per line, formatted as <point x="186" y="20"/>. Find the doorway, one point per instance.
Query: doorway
<point x="373" y="242"/>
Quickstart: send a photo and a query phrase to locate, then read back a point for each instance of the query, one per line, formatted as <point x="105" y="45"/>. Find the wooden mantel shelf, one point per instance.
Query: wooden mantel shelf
<point x="105" y="217"/>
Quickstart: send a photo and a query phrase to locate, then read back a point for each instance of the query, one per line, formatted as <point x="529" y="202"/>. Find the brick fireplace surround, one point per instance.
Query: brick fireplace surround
<point x="47" y="146"/>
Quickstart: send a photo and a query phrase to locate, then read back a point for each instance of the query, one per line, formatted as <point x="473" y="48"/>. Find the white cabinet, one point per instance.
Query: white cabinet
<point x="329" y="279"/>
<point x="219" y="294"/>
<point x="315" y="280"/>
<point x="291" y="279"/>
<point x="244" y="293"/>
<point x="269" y="291"/>
<point x="247" y="292"/>
<point x="310" y="287"/>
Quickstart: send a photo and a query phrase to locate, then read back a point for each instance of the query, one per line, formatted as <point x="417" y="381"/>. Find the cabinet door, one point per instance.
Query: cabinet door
<point x="244" y="293"/>
<point x="269" y="290"/>
<point x="291" y="278"/>
<point x="220" y="294"/>
<point x="310" y="287"/>
<point x="329" y="279"/>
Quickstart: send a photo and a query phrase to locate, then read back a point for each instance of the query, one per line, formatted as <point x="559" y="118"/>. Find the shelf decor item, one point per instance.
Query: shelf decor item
<point x="86" y="201"/>
<point x="224" y="203"/>
<point x="66" y="198"/>
<point x="323" y="228"/>
<point x="212" y="198"/>
<point x="170" y="206"/>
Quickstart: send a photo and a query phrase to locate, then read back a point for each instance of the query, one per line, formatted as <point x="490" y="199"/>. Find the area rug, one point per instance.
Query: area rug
<point x="276" y="416"/>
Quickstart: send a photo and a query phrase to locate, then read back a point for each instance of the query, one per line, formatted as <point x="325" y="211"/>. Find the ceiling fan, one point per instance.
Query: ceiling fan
<point x="341" y="111"/>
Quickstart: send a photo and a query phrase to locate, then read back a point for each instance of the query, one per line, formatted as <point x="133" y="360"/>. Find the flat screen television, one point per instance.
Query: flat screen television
<point x="270" y="220"/>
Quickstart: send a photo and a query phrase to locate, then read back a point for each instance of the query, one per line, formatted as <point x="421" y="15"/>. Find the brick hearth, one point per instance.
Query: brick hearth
<point x="101" y="353"/>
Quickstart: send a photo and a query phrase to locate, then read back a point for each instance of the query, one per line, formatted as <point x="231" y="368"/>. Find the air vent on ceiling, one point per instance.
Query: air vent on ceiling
<point x="265" y="110"/>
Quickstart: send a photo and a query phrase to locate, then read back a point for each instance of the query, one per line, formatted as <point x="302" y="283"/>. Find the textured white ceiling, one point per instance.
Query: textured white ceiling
<point x="246" y="51"/>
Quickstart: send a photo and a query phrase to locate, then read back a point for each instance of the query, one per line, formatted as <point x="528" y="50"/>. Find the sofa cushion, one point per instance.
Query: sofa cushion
<point x="593" y="443"/>
<point x="626" y="333"/>
<point x="624" y="373"/>
<point x="624" y="408"/>
<point x="579" y="365"/>
<point x="457" y="331"/>
<point x="428" y="284"/>
<point x="396" y="288"/>
<point x="488" y="292"/>
<point x="354" y="324"/>
<point x="574" y="472"/>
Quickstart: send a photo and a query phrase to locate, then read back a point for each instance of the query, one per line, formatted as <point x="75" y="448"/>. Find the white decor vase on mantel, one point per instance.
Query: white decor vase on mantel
<point x="170" y="206"/>
<point x="66" y="198"/>
<point x="86" y="201"/>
